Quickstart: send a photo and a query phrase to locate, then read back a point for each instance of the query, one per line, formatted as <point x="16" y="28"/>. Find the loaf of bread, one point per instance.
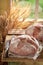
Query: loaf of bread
<point x="24" y="45"/>
<point x="36" y="30"/>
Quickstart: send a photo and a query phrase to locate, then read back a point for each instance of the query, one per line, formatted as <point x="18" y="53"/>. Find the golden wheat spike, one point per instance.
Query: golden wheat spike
<point x="22" y="11"/>
<point x="18" y="12"/>
<point x="25" y="24"/>
<point x="27" y="13"/>
<point x="13" y="11"/>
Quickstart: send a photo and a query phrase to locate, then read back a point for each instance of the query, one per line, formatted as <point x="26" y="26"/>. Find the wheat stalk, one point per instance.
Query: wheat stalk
<point x="18" y="12"/>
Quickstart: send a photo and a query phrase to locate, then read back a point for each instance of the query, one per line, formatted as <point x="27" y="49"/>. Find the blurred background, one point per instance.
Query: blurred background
<point x="6" y="5"/>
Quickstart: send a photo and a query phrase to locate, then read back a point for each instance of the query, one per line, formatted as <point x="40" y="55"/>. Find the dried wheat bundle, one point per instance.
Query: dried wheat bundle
<point x="3" y="24"/>
<point x="18" y="15"/>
